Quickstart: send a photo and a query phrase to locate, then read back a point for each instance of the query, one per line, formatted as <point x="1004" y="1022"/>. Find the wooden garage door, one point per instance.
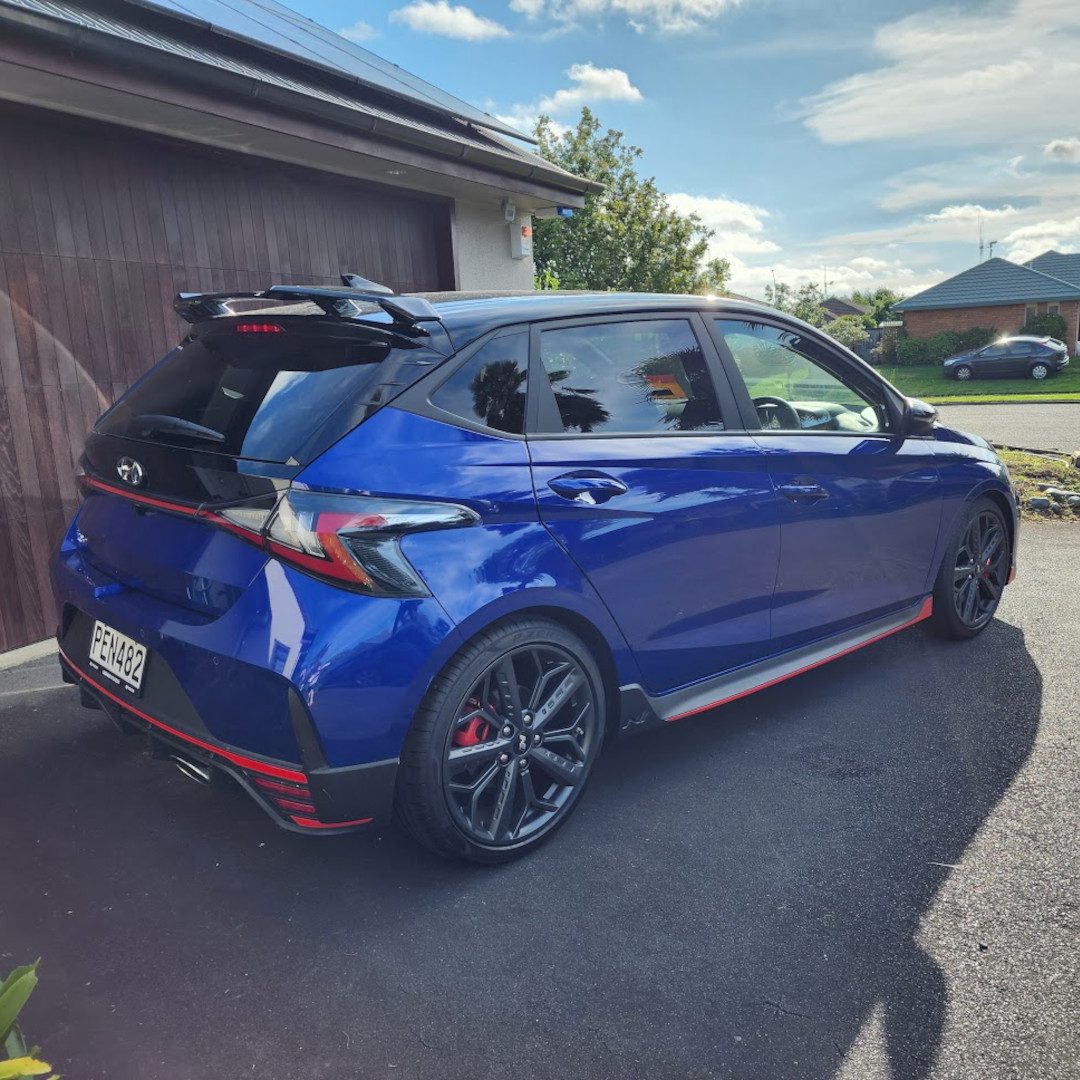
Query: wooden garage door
<point x="99" y="229"/>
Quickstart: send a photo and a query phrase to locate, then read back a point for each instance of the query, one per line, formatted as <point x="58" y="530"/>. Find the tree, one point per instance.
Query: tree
<point x="848" y="330"/>
<point x="627" y="237"/>
<point x="804" y="303"/>
<point x="878" y="304"/>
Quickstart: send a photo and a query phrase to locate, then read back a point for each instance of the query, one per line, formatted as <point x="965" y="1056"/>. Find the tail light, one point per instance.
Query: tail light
<point x="353" y="540"/>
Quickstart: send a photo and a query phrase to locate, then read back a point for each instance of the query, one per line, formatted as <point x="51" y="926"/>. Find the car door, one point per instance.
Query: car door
<point x="860" y="505"/>
<point x="1018" y="357"/>
<point x="643" y="475"/>
<point x="990" y="361"/>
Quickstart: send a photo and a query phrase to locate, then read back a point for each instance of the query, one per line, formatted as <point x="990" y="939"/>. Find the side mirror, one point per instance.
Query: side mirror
<point x="919" y="417"/>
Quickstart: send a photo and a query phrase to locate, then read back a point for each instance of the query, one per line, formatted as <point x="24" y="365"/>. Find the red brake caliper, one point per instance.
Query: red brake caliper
<point x="477" y="730"/>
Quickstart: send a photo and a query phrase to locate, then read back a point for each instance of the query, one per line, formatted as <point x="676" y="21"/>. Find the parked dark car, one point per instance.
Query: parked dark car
<point x="368" y="554"/>
<point x="1010" y="357"/>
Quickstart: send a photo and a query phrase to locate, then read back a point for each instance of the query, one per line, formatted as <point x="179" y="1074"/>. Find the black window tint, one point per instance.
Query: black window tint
<point x="1020" y="348"/>
<point x="264" y="396"/>
<point x="629" y="377"/>
<point x="992" y="352"/>
<point x="489" y="388"/>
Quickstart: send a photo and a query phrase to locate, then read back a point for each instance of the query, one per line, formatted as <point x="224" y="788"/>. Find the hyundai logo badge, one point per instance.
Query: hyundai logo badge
<point x="130" y="471"/>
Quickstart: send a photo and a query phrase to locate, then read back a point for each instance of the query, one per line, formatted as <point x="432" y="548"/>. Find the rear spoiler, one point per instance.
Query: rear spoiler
<point x="405" y="311"/>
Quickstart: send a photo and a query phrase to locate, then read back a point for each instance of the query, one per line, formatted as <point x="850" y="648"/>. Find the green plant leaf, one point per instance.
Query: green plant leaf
<point x="14" y="1044"/>
<point x="24" y="1066"/>
<point x="18" y="986"/>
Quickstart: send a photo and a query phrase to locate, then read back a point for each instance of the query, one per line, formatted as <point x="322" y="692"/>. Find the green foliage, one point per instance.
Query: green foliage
<point x="627" y="237"/>
<point x="18" y="1060"/>
<point x="879" y="305"/>
<point x="547" y="280"/>
<point x="975" y="338"/>
<point x="910" y="352"/>
<point x="1046" y="326"/>
<point x="848" y="330"/>
<point x="804" y="302"/>
<point x="942" y="344"/>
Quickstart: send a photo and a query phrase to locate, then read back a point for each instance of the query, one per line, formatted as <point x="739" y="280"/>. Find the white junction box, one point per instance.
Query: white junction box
<point x="521" y="239"/>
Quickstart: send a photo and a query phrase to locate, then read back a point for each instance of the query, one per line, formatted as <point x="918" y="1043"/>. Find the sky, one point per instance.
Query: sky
<point x="854" y="143"/>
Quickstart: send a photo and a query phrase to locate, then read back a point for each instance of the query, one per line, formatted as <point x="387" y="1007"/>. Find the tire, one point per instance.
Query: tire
<point x="968" y="589"/>
<point x="1039" y="371"/>
<point x="963" y="373"/>
<point x="486" y="775"/>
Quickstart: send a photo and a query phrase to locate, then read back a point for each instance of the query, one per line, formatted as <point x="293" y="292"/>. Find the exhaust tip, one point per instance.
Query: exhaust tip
<point x="199" y="773"/>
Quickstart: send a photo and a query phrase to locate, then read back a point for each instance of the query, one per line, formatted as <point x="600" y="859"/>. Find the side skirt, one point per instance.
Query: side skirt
<point x="640" y="709"/>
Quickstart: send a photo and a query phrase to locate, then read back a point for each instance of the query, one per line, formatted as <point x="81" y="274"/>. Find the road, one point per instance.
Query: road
<point x="870" y="871"/>
<point x="1040" y="427"/>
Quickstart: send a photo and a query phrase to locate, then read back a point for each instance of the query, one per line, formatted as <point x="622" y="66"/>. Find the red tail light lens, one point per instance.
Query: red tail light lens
<point x="350" y="539"/>
<point x="258" y="328"/>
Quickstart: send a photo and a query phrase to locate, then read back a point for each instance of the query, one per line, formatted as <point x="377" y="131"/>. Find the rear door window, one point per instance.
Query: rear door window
<point x="264" y="395"/>
<point x="630" y="377"/>
<point x="490" y="387"/>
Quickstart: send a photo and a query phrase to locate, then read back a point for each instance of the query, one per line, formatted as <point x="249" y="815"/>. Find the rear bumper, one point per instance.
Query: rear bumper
<point x="311" y="798"/>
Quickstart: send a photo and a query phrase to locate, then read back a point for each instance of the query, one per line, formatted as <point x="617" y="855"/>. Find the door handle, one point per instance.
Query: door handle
<point x="803" y="489"/>
<point x="589" y="488"/>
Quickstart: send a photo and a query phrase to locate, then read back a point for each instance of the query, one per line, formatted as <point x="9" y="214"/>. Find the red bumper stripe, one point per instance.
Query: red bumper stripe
<point x="311" y="823"/>
<point x="925" y="612"/>
<point x="251" y="764"/>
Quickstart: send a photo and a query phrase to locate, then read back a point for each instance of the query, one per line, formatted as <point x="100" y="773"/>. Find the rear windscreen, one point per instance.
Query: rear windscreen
<point x="263" y="395"/>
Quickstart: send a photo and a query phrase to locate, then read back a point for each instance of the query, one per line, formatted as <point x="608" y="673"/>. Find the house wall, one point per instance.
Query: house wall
<point x="100" y="227"/>
<point x="482" y="248"/>
<point x="1007" y="318"/>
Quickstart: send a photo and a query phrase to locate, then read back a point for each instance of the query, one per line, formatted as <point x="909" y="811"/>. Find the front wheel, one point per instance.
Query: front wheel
<point x="973" y="573"/>
<point x="1039" y="371"/>
<point x="501" y="749"/>
<point x="963" y="373"/>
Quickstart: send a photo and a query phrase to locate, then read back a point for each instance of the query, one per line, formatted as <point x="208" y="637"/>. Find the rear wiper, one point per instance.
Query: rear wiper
<point x="176" y="425"/>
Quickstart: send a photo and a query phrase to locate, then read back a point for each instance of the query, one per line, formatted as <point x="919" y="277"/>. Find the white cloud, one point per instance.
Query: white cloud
<point x="737" y="226"/>
<point x="359" y="31"/>
<point x="667" y="16"/>
<point x="961" y="75"/>
<point x="1031" y="240"/>
<point x="589" y="85"/>
<point x="455" y="21"/>
<point x="844" y="274"/>
<point x="1067" y="150"/>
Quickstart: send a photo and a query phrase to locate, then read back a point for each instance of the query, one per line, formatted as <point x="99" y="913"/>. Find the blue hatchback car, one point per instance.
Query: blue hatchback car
<point x="368" y="555"/>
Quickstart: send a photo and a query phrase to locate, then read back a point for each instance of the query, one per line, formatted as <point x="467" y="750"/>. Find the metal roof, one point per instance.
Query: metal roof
<point x="996" y="281"/>
<point x="435" y="122"/>
<point x="1057" y="264"/>
<point x="274" y="27"/>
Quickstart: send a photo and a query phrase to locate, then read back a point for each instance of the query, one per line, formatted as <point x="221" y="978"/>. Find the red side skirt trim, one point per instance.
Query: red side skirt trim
<point x="925" y="612"/>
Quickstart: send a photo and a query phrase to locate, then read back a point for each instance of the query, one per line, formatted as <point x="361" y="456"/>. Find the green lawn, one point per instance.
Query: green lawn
<point x="928" y="383"/>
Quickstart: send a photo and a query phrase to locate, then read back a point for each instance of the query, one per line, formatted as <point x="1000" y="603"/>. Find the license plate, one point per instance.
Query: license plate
<point x="117" y="657"/>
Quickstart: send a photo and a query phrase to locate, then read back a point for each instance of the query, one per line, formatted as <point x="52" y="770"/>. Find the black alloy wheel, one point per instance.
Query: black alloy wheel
<point x="501" y="749"/>
<point x="520" y="745"/>
<point x="973" y="574"/>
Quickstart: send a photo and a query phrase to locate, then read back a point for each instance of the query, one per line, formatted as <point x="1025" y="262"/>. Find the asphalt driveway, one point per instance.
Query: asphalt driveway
<point x="869" y="871"/>
<point x="1040" y="427"/>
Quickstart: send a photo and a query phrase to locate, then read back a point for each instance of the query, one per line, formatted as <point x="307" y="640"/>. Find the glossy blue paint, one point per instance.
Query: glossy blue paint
<point x="862" y="544"/>
<point x="686" y="558"/>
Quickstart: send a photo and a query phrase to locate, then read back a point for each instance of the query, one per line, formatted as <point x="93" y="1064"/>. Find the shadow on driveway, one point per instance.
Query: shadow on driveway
<point x="734" y="896"/>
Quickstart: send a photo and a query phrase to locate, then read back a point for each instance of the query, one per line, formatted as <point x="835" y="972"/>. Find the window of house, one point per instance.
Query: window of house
<point x="1053" y="309"/>
<point x="489" y="388"/>
<point x="1030" y="311"/>
<point x="630" y="377"/>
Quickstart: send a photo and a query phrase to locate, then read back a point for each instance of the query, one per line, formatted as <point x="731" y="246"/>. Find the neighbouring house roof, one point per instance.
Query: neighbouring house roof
<point x="836" y="307"/>
<point x="1057" y="264"/>
<point x="990" y="283"/>
<point x="264" y="43"/>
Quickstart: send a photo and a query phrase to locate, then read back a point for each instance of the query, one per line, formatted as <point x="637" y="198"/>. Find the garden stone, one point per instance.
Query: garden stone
<point x="1039" y="502"/>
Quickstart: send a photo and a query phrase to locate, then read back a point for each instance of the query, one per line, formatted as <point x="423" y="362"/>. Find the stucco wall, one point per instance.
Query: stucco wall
<point x="482" y="249"/>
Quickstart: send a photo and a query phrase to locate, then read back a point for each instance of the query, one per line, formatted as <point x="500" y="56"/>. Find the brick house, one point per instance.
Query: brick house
<point x="999" y="295"/>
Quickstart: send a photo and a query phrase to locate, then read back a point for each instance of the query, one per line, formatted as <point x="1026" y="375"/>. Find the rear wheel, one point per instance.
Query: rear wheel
<point x="1039" y="371"/>
<point x="963" y="373"/>
<point x="973" y="573"/>
<point x="501" y="749"/>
